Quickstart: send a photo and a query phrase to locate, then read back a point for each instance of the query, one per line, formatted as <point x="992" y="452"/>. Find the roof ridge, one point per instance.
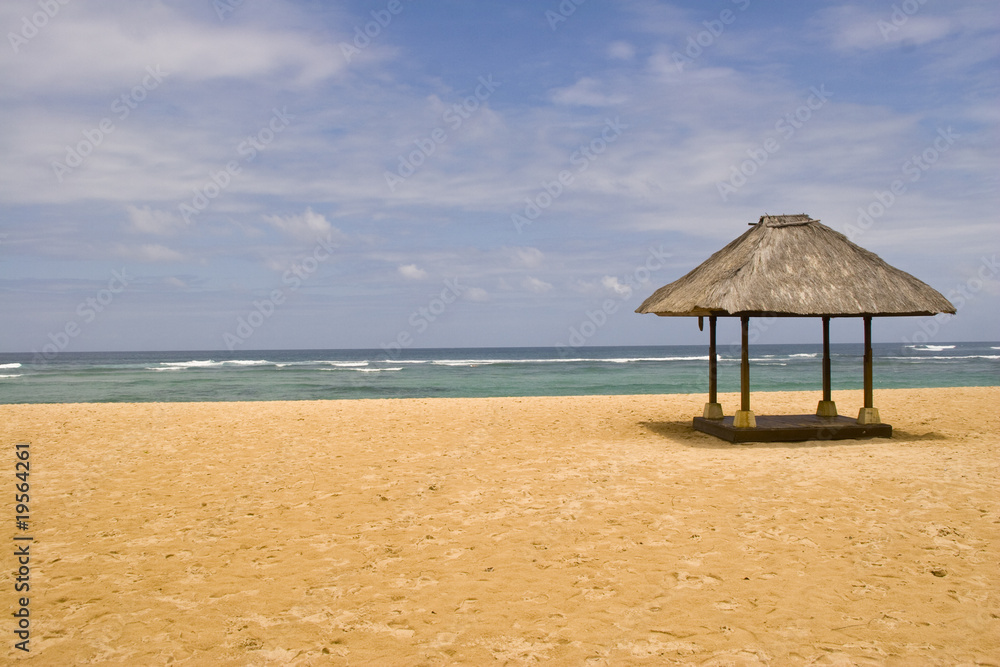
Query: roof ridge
<point x="785" y="220"/>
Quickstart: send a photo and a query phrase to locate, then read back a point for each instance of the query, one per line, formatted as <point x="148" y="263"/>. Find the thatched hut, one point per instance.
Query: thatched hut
<point x="793" y="266"/>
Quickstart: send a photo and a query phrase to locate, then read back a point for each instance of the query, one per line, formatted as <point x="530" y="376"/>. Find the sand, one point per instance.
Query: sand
<point x="571" y="531"/>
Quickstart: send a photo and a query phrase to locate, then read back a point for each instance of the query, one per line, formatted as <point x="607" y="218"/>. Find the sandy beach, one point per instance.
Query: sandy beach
<point x="573" y="531"/>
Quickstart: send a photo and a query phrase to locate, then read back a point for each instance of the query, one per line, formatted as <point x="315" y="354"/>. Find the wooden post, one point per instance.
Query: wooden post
<point x="744" y="417"/>
<point x="713" y="409"/>
<point x="826" y="359"/>
<point x="712" y="363"/>
<point x="869" y="399"/>
<point x="869" y="413"/>
<point x="826" y="407"/>
<point x="745" y="363"/>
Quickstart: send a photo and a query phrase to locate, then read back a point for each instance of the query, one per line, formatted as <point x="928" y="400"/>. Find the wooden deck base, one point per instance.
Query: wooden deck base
<point x="792" y="428"/>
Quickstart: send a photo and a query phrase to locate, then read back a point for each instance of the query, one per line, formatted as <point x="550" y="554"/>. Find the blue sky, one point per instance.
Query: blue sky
<point x="259" y="175"/>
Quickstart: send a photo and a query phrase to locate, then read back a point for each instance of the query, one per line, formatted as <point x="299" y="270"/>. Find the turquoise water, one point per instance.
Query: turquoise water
<point x="466" y="372"/>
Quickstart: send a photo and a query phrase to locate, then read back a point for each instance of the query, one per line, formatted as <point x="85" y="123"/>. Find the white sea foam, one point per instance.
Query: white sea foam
<point x="14" y="365"/>
<point x="319" y="362"/>
<point x="10" y="376"/>
<point x="628" y="360"/>
<point x="486" y="362"/>
<point x="475" y="362"/>
<point x="214" y="364"/>
<point x="362" y="370"/>
<point x="580" y="360"/>
<point x="190" y="364"/>
<point x="931" y="348"/>
<point x="805" y="355"/>
<point x="992" y="357"/>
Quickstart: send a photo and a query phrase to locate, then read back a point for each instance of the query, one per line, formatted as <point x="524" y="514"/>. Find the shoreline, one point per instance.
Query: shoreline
<point x="573" y="530"/>
<point x="731" y="398"/>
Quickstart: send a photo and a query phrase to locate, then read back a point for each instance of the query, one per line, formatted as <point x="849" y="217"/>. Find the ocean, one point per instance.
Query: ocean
<point x="288" y="375"/>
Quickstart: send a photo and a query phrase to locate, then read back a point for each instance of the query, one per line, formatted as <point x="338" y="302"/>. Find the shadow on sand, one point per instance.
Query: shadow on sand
<point x="683" y="433"/>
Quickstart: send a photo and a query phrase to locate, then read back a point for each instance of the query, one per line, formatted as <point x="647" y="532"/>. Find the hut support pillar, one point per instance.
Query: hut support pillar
<point x="826" y="407"/>
<point x="713" y="409"/>
<point x="869" y="413"/>
<point x="744" y="417"/>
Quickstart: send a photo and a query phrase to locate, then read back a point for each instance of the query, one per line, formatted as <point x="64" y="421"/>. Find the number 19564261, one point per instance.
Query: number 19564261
<point x="22" y="469"/>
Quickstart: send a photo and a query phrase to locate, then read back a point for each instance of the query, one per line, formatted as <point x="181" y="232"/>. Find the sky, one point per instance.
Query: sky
<point x="241" y="174"/>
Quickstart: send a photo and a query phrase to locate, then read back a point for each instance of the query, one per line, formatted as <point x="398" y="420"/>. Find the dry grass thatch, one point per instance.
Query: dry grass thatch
<point x="793" y="265"/>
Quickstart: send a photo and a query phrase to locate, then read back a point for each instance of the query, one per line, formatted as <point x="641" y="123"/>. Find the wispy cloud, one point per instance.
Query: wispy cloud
<point x="306" y="226"/>
<point x="412" y="272"/>
<point x="586" y="92"/>
<point x="863" y="28"/>
<point x="148" y="252"/>
<point x="536" y="285"/>
<point x="146" y="220"/>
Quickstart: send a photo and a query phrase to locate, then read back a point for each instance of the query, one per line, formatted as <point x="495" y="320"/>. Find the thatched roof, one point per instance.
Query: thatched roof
<point x="793" y="265"/>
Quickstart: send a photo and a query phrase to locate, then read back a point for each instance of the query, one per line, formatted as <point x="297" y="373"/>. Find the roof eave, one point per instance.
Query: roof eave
<point x="763" y="313"/>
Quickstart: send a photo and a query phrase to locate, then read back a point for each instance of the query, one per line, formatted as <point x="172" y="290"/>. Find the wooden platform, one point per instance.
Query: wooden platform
<point x="792" y="428"/>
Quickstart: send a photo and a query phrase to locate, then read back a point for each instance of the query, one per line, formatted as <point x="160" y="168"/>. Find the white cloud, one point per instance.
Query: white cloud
<point x="621" y="51"/>
<point x="855" y="28"/>
<point x="526" y="257"/>
<point x="87" y="47"/>
<point x="612" y="284"/>
<point x="149" y="252"/>
<point x="586" y="92"/>
<point x="535" y="285"/>
<point x="412" y="272"/>
<point x="151" y="221"/>
<point x="309" y="226"/>
<point x="475" y="294"/>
